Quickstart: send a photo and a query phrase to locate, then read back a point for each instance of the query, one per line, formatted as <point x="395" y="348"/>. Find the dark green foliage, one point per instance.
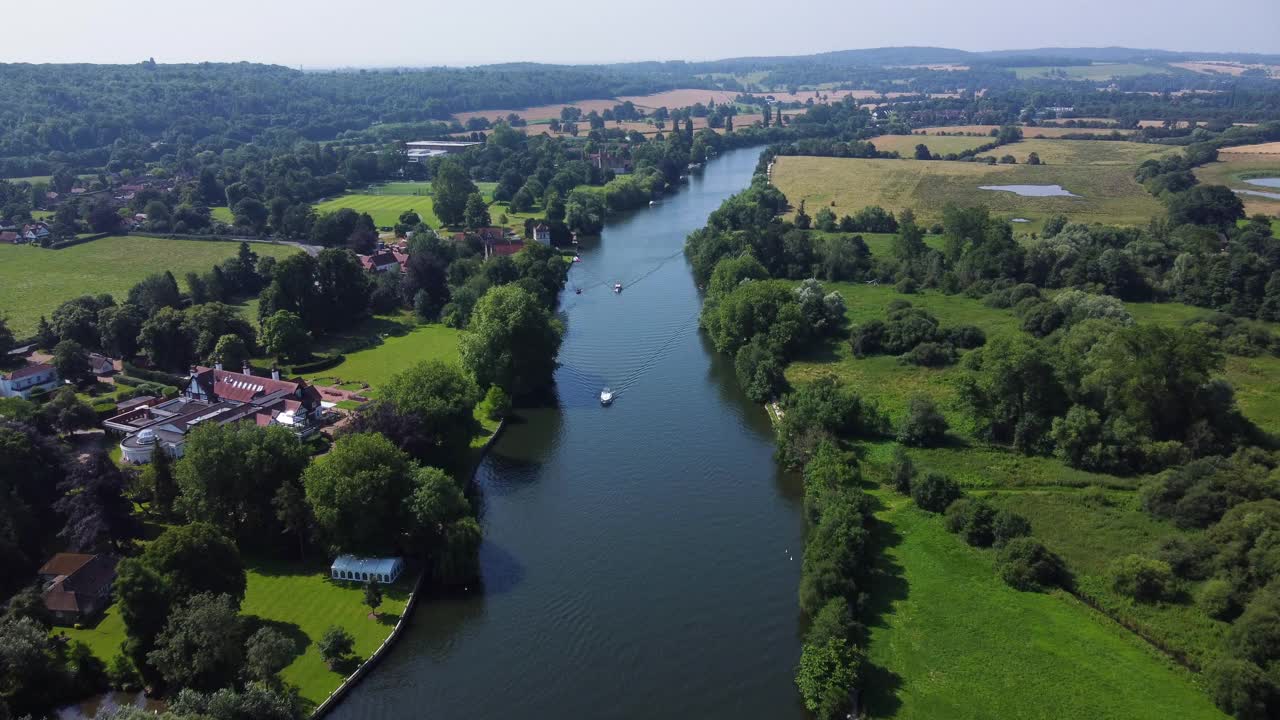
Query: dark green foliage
<point x="1143" y="579"/>
<point x="930" y="354"/>
<point x="934" y="492"/>
<point x="1008" y="525"/>
<point x="1214" y="205"/>
<point x="258" y="701"/>
<point x="759" y="366"/>
<point x="511" y="342"/>
<point x="357" y="492"/>
<point x="824" y="409"/>
<point x="974" y="520"/>
<point x="202" y="645"/>
<point x="1197" y="494"/>
<point x="426" y="410"/>
<point x="336" y="645"/>
<point x="1012" y="391"/>
<point x="924" y="425"/>
<point x="826" y="675"/>
<point x="1242" y="689"/>
<point x="835" y="554"/>
<point x="1026" y="564"/>
<point x="902" y="471"/>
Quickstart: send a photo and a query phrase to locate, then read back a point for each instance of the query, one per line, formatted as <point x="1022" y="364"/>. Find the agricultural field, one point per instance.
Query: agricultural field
<point x="1083" y="152"/>
<point x="1097" y="71"/>
<point x="905" y="145"/>
<point x="940" y="610"/>
<point x="34" y="281"/>
<point x="1107" y="193"/>
<point x="683" y="97"/>
<point x="1027" y="132"/>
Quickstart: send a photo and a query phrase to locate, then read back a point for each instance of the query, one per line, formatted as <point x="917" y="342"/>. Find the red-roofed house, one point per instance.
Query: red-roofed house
<point x="24" y="381"/>
<point x="381" y="261"/>
<point x="77" y="587"/>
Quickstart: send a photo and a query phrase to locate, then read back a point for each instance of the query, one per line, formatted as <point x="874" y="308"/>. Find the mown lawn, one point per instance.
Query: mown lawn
<point x="951" y="640"/>
<point x="375" y="365"/>
<point x="34" y="281"/>
<point x="384" y="209"/>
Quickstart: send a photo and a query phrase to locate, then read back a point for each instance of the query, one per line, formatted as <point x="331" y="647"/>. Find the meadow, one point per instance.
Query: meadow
<point x="1083" y="152"/>
<point x="950" y="640"/>
<point x="34" y="281"/>
<point x="1027" y="132"/>
<point x="1097" y="71"/>
<point x="1233" y="168"/>
<point x="1108" y="193"/>
<point x="905" y="145"/>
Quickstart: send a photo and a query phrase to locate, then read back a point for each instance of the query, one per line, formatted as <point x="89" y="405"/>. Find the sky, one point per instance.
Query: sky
<point x="414" y="33"/>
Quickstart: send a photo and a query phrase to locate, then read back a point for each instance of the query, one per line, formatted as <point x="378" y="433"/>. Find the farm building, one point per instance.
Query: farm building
<point x="362" y="569"/>
<point x="419" y="150"/>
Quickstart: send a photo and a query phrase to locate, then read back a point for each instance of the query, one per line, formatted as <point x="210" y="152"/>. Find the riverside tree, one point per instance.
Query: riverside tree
<point x="511" y="342"/>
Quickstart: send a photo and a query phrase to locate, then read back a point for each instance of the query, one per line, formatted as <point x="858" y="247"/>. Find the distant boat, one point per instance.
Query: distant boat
<point x="617" y="287"/>
<point x="606" y="397"/>
<point x="578" y="290"/>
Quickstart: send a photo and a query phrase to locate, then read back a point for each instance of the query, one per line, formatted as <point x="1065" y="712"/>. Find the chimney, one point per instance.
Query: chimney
<point x="246" y="369"/>
<point x="275" y="373"/>
<point x="217" y="365"/>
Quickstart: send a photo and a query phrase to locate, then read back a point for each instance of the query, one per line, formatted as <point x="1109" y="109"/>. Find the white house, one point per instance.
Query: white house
<point x="363" y="570"/>
<point x="542" y="234"/>
<point x="24" y="381"/>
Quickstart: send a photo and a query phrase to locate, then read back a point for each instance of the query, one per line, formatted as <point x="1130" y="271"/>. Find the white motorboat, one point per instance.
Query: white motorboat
<point x="606" y="396"/>
<point x="617" y="287"/>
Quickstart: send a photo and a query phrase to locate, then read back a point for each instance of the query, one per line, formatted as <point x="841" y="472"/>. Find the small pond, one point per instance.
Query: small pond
<point x="1032" y="190"/>
<point x="1271" y="182"/>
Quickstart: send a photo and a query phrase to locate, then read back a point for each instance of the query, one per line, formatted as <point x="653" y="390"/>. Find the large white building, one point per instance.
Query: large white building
<point x="32" y="378"/>
<point x="419" y="150"/>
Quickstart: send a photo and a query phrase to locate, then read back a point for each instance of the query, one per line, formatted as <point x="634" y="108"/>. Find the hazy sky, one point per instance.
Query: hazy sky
<point x="373" y="33"/>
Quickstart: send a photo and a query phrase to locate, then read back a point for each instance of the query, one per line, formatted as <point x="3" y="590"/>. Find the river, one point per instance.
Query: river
<point x="640" y="560"/>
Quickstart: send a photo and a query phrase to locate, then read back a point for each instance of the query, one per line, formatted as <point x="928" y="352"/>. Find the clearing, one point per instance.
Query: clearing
<point x="34" y="281"/>
<point x="951" y="640"/>
<point x="1108" y="193"/>
<point x="905" y="145"/>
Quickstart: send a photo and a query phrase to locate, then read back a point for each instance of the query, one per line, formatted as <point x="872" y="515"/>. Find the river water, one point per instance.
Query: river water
<point x="640" y="560"/>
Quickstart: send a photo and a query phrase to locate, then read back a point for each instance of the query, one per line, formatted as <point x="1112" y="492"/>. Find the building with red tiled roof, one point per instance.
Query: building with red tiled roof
<point x="383" y="260"/>
<point x="77" y="587"/>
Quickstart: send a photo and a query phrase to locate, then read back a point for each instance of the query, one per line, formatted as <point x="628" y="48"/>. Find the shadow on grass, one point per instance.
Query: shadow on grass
<point x="290" y="630"/>
<point x="886" y="585"/>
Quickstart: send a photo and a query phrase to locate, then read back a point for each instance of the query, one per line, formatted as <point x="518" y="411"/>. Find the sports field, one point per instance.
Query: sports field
<point x="905" y="145"/>
<point x="34" y="281"/>
<point x="384" y="209"/>
<point x="1107" y="193"/>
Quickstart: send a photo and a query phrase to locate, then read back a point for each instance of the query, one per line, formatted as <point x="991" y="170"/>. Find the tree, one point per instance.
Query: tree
<point x="372" y="597"/>
<point x="1213" y="205"/>
<point x="266" y="653"/>
<point x="1013" y="391"/>
<point x="357" y="492"/>
<point x="476" y="214"/>
<point x="924" y="425"/>
<point x="336" y="645"/>
<point x="451" y="189"/>
<point x="230" y="352"/>
<point x="1142" y="579"/>
<point x="229" y="476"/>
<point x="511" y="342"/>
<point x="1242" y="689"/>
<point x="202" y="644"/>
<point x="902" y="471"/>
<point x="6" y="336"/>
<point x="585" y="212"/>
<point x="166" y="340"/>
<point x="99" y="516"/>
<point x="294" y="515"/>
<point x="156" y="291"/>
<point x="285" y="337"/>
<point x="343" y="289"/>
<point x="250" y="213"/>
<point x="118" y="328"/>
<point x="922" y="152"/>
<point x="1026" y="564"/>
<point x="157" y="478"/>
<point x="826" y="676"/>
<point x="66" y="412"/>
<point x="435" y="403"/>
<point x="33" y="674"/>
<point x="934" y="492"/>
<point x="553" y="206"/>
<point x="197" y="558"/>
<point x="71" y="361"/>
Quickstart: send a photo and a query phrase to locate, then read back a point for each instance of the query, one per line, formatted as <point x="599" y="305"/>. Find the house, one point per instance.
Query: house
<point x="77" y="587"/>
<point x="101" y="365"/>
<point x="383" y="260"/>
<point x="215" y="395"/>
<point x="32" y="378"/>
<point x="35" y="232"/>
<point x="542" y="234"/>
<point x="362" y="569"/>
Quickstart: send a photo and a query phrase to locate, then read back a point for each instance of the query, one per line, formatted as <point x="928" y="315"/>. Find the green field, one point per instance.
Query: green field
<point x="302" y="602"/>
<point x="222" y="213"/>
<point x="34" y="281"/>
<point x="951" y="640"/>
<point x="1099" y="71"/>
<point x="376" y="365"/>
<point x="1083" y="152"/>
<point x="905" y="145"/>
<point x="1233" y="169"/>
<point x="1108" y="193"/>
<point x="384" y="209"/>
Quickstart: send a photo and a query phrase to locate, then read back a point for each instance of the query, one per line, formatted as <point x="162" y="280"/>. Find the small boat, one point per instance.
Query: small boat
<point x="578" y="290"/>
<point x="617" y="287"/>
<point x="606" y="397"/>
<point x="577" y="259"/>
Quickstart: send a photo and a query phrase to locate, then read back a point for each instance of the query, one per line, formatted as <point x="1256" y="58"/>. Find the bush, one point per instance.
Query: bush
<point x="929" y="354"/>
<point x="966" y="337"/>
<point x="1142" y="579"/>
<point x="1026" y="564"/>
<point x="825" y="676"/>
<point x="496" y="404"/>
<point x="1241" y="689"/>
<point x="1189" y="557"/>
<point x="972" y="519"/>
<point x="1008" y="525"/>
<point x="906" y="286"/>
<point x="924" y="426"/>
<point x="934" y="492"/>
<point x="1217" y="599"/>
<point x="901" y="471"/>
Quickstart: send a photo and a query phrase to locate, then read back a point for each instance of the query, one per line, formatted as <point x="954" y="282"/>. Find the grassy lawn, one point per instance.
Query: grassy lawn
<point x="375" y="365"/>
<point x="222" y="213"/>
<point x="905" y="145"/>
<point x="953" y="641"/>
<point x="1108" y="193"/>
<point x="304" y="602"/>
<point x="34" y="281"/>
<point x="384" y="209"/>
<point x="299" y="600"/>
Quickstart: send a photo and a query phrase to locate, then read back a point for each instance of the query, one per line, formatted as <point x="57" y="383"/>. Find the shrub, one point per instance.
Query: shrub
<point x="901" y="471"/>
<point x="1217" y="599"/>
<point x="496" y="404"/>
<point x="966" y="337"/>
<point x="826" y="674"/>
<point x="934" y="492"/>
<point x="974" y="520"/>
<point x="1189" y="557"/>
<point x="1026" y="564"/>
<point x="906" y="286"/>
<point x="924" y="426"/>
<point x="1142" y="579"/>
<point x="929" y="354"/>
<point x="1008" y="525"/>
<point x="1241" y="689"/>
